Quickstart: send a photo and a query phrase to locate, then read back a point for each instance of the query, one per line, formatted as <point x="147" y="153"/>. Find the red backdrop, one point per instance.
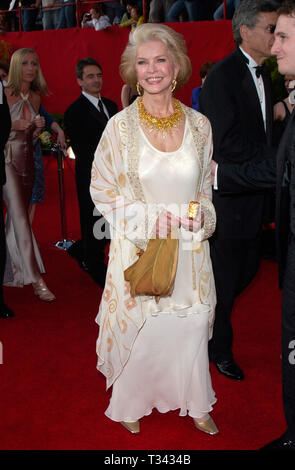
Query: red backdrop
<point x="59" y="51"/>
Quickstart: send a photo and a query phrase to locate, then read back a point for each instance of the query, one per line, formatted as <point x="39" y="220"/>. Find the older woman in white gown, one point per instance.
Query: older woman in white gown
<point x="153" y="159"/>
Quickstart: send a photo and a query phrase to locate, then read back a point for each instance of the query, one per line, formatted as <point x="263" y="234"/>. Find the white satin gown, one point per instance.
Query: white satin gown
<point x="168" y="367"/>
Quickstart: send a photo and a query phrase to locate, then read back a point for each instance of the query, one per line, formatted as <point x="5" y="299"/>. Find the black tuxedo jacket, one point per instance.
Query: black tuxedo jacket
<point x="268" y="173"/>
<point x="230" y="100"/>
<point x="5" y="131"/>
<point x="84" y="126"/>
<point x="4" y="134"/>
<point x="283" y="191"/>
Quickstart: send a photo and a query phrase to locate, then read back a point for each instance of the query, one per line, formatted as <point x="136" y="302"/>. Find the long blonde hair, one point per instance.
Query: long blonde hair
<point x="15" y="73"/>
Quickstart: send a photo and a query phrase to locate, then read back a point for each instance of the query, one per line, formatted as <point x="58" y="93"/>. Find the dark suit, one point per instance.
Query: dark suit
<point x="230" y="100"/>
<point x="84" y="125"/>
<point x="267" y="173"/>
<point x="5" y="131"/>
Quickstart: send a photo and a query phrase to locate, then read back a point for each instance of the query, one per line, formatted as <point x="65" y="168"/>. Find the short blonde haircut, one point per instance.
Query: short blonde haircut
<point x="155" y="32"/>
<point x="15" y="73"/>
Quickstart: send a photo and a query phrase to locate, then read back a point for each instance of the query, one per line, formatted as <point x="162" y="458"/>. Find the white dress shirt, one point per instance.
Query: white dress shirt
<point x="102" y="22"/>
<point x="261" y="95"/>
<point x="94" y="100"/>
<point x="258" y="83"/>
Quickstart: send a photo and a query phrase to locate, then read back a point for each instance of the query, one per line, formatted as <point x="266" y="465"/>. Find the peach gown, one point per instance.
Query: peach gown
<point x="24" y="263"/>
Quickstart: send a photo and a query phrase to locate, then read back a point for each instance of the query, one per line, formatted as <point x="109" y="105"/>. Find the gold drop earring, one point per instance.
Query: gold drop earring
<point x="139" y="89"/>
<point x="173" y="84"/>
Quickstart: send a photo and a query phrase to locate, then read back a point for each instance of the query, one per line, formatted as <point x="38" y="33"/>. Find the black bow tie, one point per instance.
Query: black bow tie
<point x="259" y="70"/>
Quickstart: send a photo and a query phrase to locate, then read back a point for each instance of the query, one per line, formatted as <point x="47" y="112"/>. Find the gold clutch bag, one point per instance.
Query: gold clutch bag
<point x="154" y="271"/>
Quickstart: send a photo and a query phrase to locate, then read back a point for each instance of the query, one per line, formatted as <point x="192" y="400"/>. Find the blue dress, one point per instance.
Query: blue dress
<point x="39" y="185"/>
<point x="195" y="98"/>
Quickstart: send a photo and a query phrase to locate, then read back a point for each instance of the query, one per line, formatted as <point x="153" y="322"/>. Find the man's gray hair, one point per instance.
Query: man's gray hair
<point x="247" y="12"/>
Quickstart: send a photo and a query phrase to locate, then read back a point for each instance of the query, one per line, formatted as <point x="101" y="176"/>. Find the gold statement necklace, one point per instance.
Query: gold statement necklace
<point x="162" y="125"/>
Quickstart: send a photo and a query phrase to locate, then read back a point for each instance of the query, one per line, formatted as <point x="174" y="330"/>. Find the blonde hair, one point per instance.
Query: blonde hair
<point x="15" y="73"/>
<point x="155" y="32"/>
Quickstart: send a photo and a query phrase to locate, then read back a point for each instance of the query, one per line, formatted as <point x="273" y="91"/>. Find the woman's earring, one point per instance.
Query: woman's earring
<point x="173" y="84"/>
<point x="139" y="89"/>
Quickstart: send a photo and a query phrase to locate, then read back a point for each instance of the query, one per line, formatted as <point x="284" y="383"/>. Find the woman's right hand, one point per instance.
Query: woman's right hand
<point x="20" y="125"/>
<point x="39" y="122"/>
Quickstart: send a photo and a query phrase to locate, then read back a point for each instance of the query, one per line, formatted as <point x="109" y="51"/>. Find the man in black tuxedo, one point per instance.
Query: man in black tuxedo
<point x="5" y="312"/>
<point x="280" y="173"/>
<point x="237" y="99"/>
<point x="85" y="120"/>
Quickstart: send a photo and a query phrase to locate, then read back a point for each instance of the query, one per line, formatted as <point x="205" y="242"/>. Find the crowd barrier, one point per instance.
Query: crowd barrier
<point x="81" y="7"/>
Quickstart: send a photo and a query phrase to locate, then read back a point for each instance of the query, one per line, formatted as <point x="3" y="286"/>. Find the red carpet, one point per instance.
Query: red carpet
<point x="53" y="398"/>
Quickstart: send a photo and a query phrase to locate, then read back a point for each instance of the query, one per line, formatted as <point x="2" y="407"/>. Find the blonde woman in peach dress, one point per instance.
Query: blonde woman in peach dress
<point x="25" y="83"/>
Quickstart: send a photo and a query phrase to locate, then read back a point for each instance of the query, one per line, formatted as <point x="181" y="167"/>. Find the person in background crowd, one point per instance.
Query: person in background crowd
<point x="126" y="14"/>
<point x="231" y="5"/>
<point x="128" y="95"/>
<point x="50" y="123"/>
<point x="50" y="13"/>
<point x="4" y="69"/>
<point x="12" y="16"/>
<point x="204" y="70"/>
<point x="4" y="17"/>
<point x="67" y="16"/>
<point x="5" y="311"/>
<point x="96" y="19"/>
<point x="39" y="183"/>
<point x="159" y="10"/>
<point x="25" y="82"/>
<point x="279" y="172"/>
<point x="283" y="109"/>
<point x="85" y="120"/>
<point x="237" y="99"/>
<point x="136" y="18"/>
<point x="194" y="10"/>
<point x="112" y="10"/>
<point x="29" y="13"/>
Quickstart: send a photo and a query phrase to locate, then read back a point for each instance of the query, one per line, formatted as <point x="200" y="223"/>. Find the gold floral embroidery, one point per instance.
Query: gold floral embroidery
<point x="123" y="326"/>
<point x="127" y="288"/>
<point x="112" y="193"/>
<point x="110" y="343"/>
<point x="109" y="370"/>
<point x="103" y="143"/>
<point x="112" y="305"/>
<point x="106" y="295"/>
<point x="130" y="303"/>
<point x="133" y="130"/>
<point x="204" y="276"/>
<point x="209" y="218"/>
<point x="122" y="180"/>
